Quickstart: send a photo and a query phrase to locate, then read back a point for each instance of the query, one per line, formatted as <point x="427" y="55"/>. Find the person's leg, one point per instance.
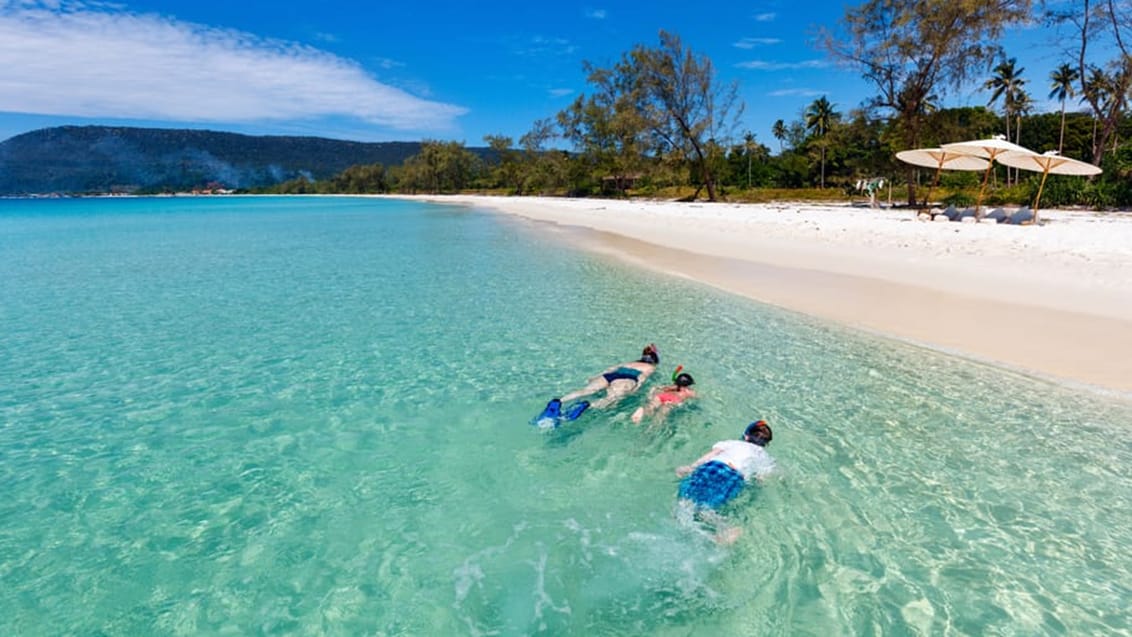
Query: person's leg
<point x="594" y="386"/>
<point x="663" y="411"/>
<point x="618" y="389"/>
<point x="646" y="410"/>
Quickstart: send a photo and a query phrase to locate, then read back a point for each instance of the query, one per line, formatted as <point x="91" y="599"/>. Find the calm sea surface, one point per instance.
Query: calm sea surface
<point x="303" y="416"/>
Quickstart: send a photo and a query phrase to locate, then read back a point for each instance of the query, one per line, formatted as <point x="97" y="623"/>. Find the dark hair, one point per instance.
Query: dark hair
<point x="758" y="433"/>
<point x="684" y="380"/>
<point x="650" y="355"/>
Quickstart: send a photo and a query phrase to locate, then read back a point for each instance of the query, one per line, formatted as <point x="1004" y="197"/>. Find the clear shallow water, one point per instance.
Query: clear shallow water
<point x="309" y="416"/>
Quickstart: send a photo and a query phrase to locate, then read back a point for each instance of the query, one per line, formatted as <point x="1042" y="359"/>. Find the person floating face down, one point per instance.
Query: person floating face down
<point x="619" y="380"/>
<point x="665" y="399"/>
<point x="721" y="474"/>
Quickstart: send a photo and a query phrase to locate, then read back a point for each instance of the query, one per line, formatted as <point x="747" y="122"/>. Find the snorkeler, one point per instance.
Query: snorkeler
<point x="718" y="477"/>
<point x="620" y="380"/>
<point x="663" y="400"/>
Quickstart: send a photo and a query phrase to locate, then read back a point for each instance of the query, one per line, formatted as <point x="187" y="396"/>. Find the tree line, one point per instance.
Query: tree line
<point x="658" y="121"/>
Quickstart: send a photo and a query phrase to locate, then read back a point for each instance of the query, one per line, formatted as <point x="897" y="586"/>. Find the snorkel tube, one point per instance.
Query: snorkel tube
<point x="676" y="372"/>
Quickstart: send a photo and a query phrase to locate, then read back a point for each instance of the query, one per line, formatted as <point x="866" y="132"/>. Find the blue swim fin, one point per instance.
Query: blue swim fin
<point x="576" y="410"/>
<point x="550" y="415"/>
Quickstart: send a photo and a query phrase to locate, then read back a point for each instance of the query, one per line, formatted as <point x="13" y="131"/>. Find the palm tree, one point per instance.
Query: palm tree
<point x="1023" y="105"/>
<point x="1006" y="83"/>
<point x="748" y="148"/>
<point x="819" y="117"/>
<point x="1062" y="79"/>
<point x="779" y="132"/>
<point x="1097" y="89"/>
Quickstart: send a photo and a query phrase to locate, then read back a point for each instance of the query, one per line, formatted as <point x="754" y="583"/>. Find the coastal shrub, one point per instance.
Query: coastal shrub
<point x="1013" y="195"/>
<point x="1061" y="191"/>
<point x="959" y="200"/>
<point x="1098" y="195"/>
<point x="961" y="179"/>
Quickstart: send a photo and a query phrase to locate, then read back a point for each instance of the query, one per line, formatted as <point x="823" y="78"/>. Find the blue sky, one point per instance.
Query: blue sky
<point x="380" y="71"/>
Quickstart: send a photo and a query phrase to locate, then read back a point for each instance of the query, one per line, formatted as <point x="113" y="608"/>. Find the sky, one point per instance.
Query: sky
<point x="368" y="70"/>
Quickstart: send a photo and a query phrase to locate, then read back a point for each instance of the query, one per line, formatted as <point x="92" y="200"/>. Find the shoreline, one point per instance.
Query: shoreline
<point x="1053" y="301"/>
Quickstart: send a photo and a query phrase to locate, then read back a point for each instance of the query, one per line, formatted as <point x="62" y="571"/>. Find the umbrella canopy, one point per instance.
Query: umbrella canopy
<point x="939" y="159"/>
<point x="991" y="148"/>
<point x="1047" y="163"/>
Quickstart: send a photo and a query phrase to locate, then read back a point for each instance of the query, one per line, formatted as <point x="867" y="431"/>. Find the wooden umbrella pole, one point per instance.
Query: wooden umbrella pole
<point x="935" y="182"/>
<point x="986" y="176"/>
<point x="1045" y="173"/>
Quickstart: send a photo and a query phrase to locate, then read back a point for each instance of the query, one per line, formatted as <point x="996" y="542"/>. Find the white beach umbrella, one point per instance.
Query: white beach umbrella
<point x="991" y="148"/>
<point x="940" y="159"/>
<point x="1046" y="163"/>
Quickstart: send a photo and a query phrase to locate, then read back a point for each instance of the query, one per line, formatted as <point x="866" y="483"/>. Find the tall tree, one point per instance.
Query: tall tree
<point x="439" y="167"/>
<point x="1098" y="90"/>
<point x="1103" y="27"/>
<point x="507" y="169"/>
<point x="1006" y="84"/>
<point x="542" y="170"/>
<point x="911" y="50"/>
<point x="779" y="132"/>
<point x="606" y="127"/>
<point x="1061" y="89"/>
<point x="749" y="148"/>
<point x="819" y="118"/>
<point x="685" y="107"/>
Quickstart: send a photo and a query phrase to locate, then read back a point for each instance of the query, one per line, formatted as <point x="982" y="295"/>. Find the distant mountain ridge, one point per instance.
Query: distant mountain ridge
<point x="79" y="159"/>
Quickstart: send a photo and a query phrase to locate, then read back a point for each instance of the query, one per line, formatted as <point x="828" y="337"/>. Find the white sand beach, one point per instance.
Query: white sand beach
<point x="1054" y="299"/>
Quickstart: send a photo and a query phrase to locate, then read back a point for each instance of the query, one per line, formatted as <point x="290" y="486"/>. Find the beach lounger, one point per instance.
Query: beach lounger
<point x="998" y="215"/>
<point x="951" y="213"/>
<point x="1022" y="215"/>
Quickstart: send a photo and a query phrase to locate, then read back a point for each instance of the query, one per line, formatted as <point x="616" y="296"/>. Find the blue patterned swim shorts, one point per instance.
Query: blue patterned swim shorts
<point x="712" y="484"/>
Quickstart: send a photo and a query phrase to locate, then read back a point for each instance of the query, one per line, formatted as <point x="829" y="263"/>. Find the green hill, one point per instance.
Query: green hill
<point x="80" y="159"/>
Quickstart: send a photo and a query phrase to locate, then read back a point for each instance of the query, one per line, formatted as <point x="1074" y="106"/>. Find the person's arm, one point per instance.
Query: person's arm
<point x="688" y="468"/>
<point x="764" y="468"/>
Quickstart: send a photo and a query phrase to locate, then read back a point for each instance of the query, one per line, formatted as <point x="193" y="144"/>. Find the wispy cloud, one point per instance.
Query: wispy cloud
<point x="762" y="65"/>
<point x="542" y="45"/>
<point x="388" y="63"/>
<point x="750" y="43"/>
<point x="596" y="14"/>
<point x="87" y="60"/>
<point x="797" y="92"/>
<point x="765" y="17"/>
<point x="560" y="92"/>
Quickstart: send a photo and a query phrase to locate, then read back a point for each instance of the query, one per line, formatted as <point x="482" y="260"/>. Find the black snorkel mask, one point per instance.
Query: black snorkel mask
<point x="650" y="355"/>
<point x="758" y="433"/>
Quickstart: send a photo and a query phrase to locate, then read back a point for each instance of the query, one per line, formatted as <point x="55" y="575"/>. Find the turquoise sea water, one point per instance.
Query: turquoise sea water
<point x="300" y="416"/>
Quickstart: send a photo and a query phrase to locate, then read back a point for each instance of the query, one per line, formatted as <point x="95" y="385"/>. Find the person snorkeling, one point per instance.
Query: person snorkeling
<point x="721" y="474"/>
<point x="618" y="381"/>
<point x="664" y="399"/>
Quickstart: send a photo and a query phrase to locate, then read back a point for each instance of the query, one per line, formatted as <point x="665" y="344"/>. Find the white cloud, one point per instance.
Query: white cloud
<point x="799" y="92"/>
<point x="560" y="92"/>
<point x="67" y="59"/>
<point x="596" y="14"/>
<point x="750" y="43"/>
<point x="762" y="65"/>
<point x="764" y="17"/>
